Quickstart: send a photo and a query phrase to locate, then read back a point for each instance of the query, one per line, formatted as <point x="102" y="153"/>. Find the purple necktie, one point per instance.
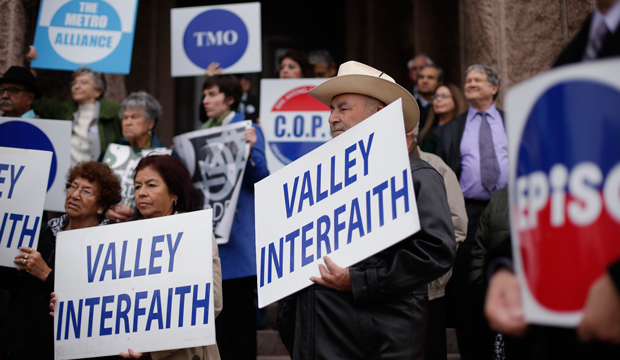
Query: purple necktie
<point x="596" y="44"/>
<point x="489" y="166"/>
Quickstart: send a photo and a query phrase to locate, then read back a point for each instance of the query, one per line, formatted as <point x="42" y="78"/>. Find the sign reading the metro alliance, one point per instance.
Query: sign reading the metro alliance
<point x="227" y="34"/>
<point x="564" y="186"/>
<point x="350" y="199"/>
<point x="96" y="33"/>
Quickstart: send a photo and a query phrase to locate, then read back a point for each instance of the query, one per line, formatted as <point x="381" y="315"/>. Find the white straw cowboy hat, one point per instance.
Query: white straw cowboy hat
<point x="357" y="78"/>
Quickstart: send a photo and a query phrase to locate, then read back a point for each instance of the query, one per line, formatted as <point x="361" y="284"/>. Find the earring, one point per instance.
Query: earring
<point x="99" y="212"/>
<point x="150" y="133"/>
<point x="175" y="203"/>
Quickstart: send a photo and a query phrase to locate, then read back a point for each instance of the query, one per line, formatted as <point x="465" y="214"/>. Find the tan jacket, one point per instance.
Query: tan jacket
<point x="201" y="352"/>
<point x="437" y="288"/>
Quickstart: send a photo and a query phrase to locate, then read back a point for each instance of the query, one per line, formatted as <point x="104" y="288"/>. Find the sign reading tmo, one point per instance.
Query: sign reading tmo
<point x="294" y="123"/>
<point x="565" y="186"/>
<point x="226" y="34"/>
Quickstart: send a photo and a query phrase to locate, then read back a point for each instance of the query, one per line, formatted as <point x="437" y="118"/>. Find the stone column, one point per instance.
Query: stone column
<point x="518" y="39"/>
<point x="13" y="27"/>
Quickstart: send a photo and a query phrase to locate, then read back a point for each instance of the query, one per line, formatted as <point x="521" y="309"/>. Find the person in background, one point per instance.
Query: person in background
<point x="92" y="188"/>
<point x="18" y="89"/>
<point x="249" y="104"/>
<point x="294" y="65"/>
<point x="436" y="342"/>
<point x="447" y="102"/>
<point x="96" y="121"/>
<point x="414" y="66"/>
<point x="236" y="326"/>
<point x="429" y="78"/>
<point x="323" y="63"/>
<point x="163" y="187"/>
<point x="475" y="146"/>
<point x="140" y="112"/>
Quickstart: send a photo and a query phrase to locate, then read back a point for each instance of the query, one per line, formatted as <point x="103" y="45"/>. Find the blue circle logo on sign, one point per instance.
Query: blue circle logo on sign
<point x="215" y="36"/>
<point x="22" y="135"/>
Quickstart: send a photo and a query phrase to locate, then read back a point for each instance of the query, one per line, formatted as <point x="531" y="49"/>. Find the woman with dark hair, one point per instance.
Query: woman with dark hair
<point x="236" y="327"/>
<point x="28" y="333"/>
<point x="294" y="65"/>
<point x="163" y="187"/>
<point x="448" y="102"/>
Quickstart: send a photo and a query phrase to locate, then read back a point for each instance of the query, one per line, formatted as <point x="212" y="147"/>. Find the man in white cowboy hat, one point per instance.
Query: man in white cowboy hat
<point x="377" y="308"/>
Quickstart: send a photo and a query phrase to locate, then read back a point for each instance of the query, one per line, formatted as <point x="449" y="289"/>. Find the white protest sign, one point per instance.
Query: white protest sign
<point x="23" y="181"/>
<point x="293" y="122"/>
<point x="227" y="34"/>
<point x="45" y="135"/>
<point x="123" y="159"/>
<point x="564" y="186"/>
<point x="349" y="199"/>
<point x="144" y="285"/>
<point x="216" y="160"/>
<point x="95" y="32"/>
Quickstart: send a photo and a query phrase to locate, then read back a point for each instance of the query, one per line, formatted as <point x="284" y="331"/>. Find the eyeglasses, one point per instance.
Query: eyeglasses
<point x="12" y="90"/>
<point x="82" y="82"/>
<point x="443" y="96"/>
<point x="85" y="193"/>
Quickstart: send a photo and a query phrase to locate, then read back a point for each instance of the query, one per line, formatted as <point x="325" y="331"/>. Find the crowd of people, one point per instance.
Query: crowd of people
<point x="455" y="272"/>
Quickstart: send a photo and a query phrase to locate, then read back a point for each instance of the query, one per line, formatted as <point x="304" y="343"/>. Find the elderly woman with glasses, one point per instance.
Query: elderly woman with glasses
<point x="140" y="112"/>
<point x="96" y="123"/>
<point x="28" y="332"/>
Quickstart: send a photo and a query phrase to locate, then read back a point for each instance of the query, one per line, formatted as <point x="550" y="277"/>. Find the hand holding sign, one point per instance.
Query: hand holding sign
<point x="31" y="261"/>
<point x="601" y="318"/>
<point x="334" y="276"/>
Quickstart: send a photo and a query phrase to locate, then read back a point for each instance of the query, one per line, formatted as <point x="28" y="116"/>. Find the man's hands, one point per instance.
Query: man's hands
<point x="601" y="318"/>
<point x="334" y="276"/>
<point x="502" y="306"/>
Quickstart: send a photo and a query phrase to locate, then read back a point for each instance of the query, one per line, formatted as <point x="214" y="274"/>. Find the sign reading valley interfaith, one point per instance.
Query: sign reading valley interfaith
<point x="123" y="159"/>
<point x="45" y="135"/>
<point x="144" y="285"/>
<point x="349" y="199"/>
<point x="294" y="123"/>
<point x="96" y="33"/>
<point x="23" y="182"/>
<point x="565" y="186"/>
<point x="227" y="34"/>
<point x="216" y="160"/>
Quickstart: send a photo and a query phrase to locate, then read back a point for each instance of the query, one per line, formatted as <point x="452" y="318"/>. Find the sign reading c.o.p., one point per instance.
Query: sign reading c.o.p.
<point x="228" y="34"/>
<point x="97" y="33"/>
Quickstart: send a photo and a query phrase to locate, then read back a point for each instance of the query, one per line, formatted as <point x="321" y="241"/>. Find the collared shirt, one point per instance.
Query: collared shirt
<point x="611" y="19"/>
<point x="423" y="101"/>
<point x="29" y="115"/>
<point x="470" y="153"/>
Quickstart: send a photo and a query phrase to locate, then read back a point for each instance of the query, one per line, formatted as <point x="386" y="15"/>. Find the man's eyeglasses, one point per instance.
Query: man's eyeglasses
<point x="12" y="90"/>
<point x="443" y="96"/>
<point x="85" y="193"/>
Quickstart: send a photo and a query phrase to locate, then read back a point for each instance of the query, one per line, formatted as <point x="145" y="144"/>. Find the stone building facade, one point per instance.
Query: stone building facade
<point x="519" y="38"/>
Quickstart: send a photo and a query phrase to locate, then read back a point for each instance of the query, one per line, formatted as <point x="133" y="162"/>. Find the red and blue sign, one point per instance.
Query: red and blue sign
<point x="566" y="192"/>
<point x="294" y="123"/>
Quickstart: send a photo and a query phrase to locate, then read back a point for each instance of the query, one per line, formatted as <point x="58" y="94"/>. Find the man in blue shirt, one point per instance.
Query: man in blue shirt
<point x="18" y="89"/>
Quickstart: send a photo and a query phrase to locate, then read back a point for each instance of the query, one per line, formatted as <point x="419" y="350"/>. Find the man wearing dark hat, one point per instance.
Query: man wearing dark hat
<point x="377" y="308"/>
<point x="18" y="89"/>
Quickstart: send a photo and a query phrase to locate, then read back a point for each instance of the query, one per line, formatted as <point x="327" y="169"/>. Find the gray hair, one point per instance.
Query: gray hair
<point x="319" y="56"/>
<point x="423" y="56"/>
<point x="372" y="103"/>
<point x="439" y="71"/>
<point x="98" y="81"/>
<point x="143" y="101"/>
<point x="491" y="74"/>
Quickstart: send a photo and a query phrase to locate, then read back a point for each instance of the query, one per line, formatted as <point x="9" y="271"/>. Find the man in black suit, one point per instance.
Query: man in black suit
<point x="474" y="145"/>
<point x="429" y="79"/>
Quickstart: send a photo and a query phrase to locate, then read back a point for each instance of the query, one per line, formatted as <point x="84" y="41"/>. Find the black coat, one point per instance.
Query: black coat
<point x="574" y="51"/>
<point x="28" y="332"/>
<point x="386" y="314"/>
<point x="449" y="142"/>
